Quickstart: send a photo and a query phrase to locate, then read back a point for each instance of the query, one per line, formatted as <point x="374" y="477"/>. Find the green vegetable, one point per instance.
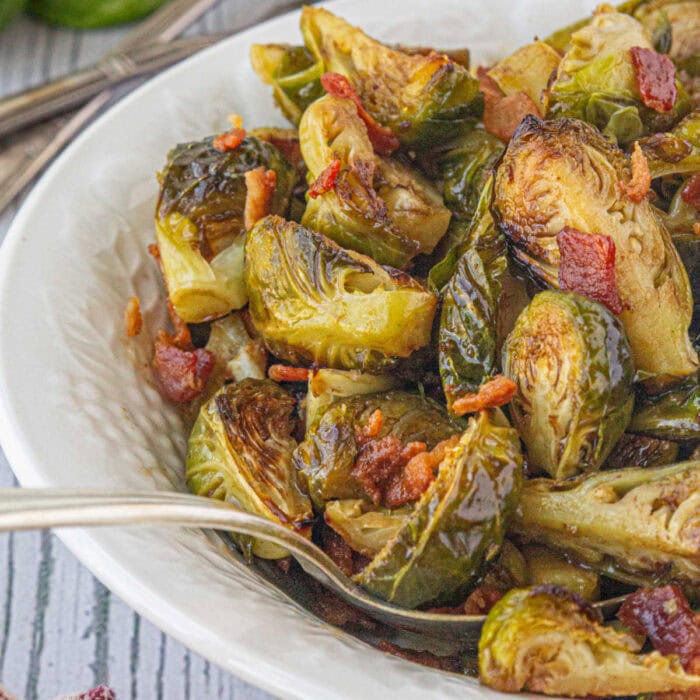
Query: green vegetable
<point x="89" y="14"/>
<point x="565" y="173"/>
<point x="675" y="152"/>
<point x="314" y="302"/>
<point x="674" y="415"/>
<point x="240" y="450"/>
<point x="199" y="222"/>
<point x="459" y="522"/>
<point x="546" y="640"/>
<point x="547" y="567"/>
<point x="379" y="206"/>
<point x="683" y="19"/>
<point x="9" y="9"/>
<point x="572" y="363"/>
<point x="641" y="451"/>
<point x="637" y="525"/>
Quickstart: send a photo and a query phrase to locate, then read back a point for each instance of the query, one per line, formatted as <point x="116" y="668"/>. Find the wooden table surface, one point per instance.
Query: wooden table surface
<point x="61" y="630"/>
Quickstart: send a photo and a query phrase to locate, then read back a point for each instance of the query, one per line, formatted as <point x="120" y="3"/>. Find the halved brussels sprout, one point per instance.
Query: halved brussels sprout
<point x="564" y="173"/>
<point x="240" y="450"/>
<point x="545" y="566"/>
<point x="199" y="222"/>
<point x="378" y="206"/>
<point x="596" y="80"/>
<point x="547" y="640"/>
<point x="683" y="16"/>
<point x="636" y="525"/>
<point x="459" y="522"/>
<point x="675" y="152"/>
<point x="641" y="451"/>
<point x="328" y="453"/>
<point x="314" y="302"/>
<point x="423" y="99"/>
<point x="572" y="363"/>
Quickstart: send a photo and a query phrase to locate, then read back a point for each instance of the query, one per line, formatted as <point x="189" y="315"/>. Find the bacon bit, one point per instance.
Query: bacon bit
<point x="260" y="186"/>
<point x="665" y="616"/>
<point x="284" y="564"/>
<point x="481" y="600"/>
<point x="325" y="182"/>
<point x="182" y="337"/>
<point x="587" y="267"/>
<point x="497" y="392"/>
<point x="337" y="612"/>
<point x="154" y="251"/>
<point x="377" y="464"/>
<point x="425" y="658"/>
<point x="383" y="138"/>
<point x="640" y="183"/>
<point x="338" y="550"/>
<point x="690" y="193"/>
<point x="656" y="78"/>
<point x="180" y="375"/>
<point x="503" y="114"/>
<point x="235" y="120"/>
<point x="696" y="229"/>
<point x="230" y="140"/>
<point x="372" y="429"/>
<point x="285" y="373"/>
<point x="133" y="321"/>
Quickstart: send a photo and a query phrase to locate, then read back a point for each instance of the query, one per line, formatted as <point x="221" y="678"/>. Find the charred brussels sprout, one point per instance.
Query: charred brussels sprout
<point x="682" y="18"/>
<point x="675" y="152"/>
<point x="199" y="222"/>
<point x="314" y="302"/>
<point x="547" y="640"/>
<point x="636" y="525"/>
<point x="377" y="206"/>
<point x="573" y="367"/>
<point x="459" y="522"/>
<point x="328" y="453"/>
<point x="240" y="449"/>
<point x="563" y="173"/>
<point x="545" y="566"/>
<point x="641" y="451"/>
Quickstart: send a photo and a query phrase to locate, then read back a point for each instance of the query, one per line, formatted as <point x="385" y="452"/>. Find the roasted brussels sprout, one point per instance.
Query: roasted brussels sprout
<point x="423" y="99"/>
<point x="314" y="302"/>
<point x="563" y="173"/>
<point x="378" y="206"/>
<point x="641" y="451"/>
<point x="240" y="449"/>
<point x="547" y="640"/>
<point x="675" y="152"/>
<point x="199" y="222"/>
<point x="636" y="525"/>
<point x="572" y="363"/>
<point x="545" y="566"/>
<point x="683" y="18"/>
<point x="459" y="522"/>
<point x="596" y="81"/>
<point x="328" y="453"/>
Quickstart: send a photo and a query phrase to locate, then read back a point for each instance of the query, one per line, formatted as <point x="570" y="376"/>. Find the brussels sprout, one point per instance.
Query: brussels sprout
<point x="199" y="222"/>
<point x="547" y="640"/>
<point x="563" y="173"/>
<point x="545" y="566"/>
<point x="423" y="99"/>
<point x="365" y="528"/>
<point x="596" y="81"/>
<point x="9" y="9"/>
<point x="90" y="14"/>
<point x="459" y="522"/>
<point x="641" y="451"/>
<point x="674" y="415"/>
<point x="636" y="525"/>
<point x="508" y="570"/>
<point x="240" y="450"/>
<point x="314" y="302"/>
<point x="378" y="206"/>
<point x="683" y="18"/>
<point x="675" y="152"/>
<point x="573" y="367"/>
<point x="330" y="449"/>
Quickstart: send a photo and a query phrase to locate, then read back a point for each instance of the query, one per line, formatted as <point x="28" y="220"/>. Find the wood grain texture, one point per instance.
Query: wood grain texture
<point x="60" y="629"/>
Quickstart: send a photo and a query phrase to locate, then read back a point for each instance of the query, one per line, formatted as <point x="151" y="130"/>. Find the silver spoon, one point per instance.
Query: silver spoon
<point x="29" y="509"/>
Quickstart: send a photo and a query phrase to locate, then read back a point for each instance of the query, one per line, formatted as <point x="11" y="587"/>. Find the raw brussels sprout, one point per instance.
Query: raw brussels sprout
<point x="329" y="451"/>
<point x="423" y="99"/>
<point x="572" y="363"/>
<point x="636" y="525"/>
<point x="674" y="415"/>
<point x="545" y="566"/>
<point x="596" y="81"/>
<point x="379" y="206"/>
<point x="199" y="222"/>
<point x="565" y="173"/>
<point x="675" y="152"/>
<point x="364" y="527"/>
<point x="240" y="450"/>
<point x="641" y="451"/>
<point x="313" y="302"/>
<point x="459" y="522"/>
<point x="547" y="640"/>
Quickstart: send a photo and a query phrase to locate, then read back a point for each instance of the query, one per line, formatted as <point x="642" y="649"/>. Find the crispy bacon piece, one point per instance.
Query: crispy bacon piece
<point x="640" y="183"/>
<point x="587" y="267"/>
<point x="696" y="229"/>
<point x="133" y="321"/>
<point x="372" y="429"/>
<point x="285" y="373"/>
<point x="260" y="186"/>
<point x="182" y="337"/>
<point x="497" y="392"/>
<point x="690" y="193"/>
<point x="230" y="140"/>
<point x="481" y="600"/>
<point x="383" y="138"/>
<point x="425" y="658"/>
<point x="503" y="114"/>
<point x="325" y="182"/>
<point x="656" y="78"/>
<point x="665" y="616"/>
<point x="377" y="464"/>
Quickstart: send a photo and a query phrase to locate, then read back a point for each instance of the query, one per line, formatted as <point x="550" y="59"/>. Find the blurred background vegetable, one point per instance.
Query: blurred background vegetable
<point x="9" y="9"/>
<point x="88" y="14"/>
